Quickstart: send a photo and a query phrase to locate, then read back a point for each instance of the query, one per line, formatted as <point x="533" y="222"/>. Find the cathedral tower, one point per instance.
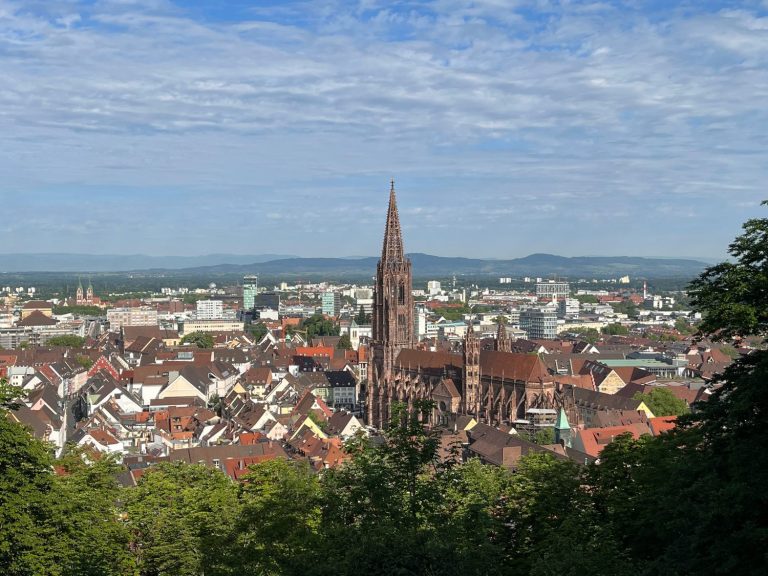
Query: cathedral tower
<point x="392" y="315"/>
<point x="471" y="394"/>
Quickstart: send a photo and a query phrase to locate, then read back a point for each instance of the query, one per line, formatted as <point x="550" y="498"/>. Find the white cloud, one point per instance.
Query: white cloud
<point x="582" y="105"/>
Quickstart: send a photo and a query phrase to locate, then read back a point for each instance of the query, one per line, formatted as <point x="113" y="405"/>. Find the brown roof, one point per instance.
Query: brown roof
<point x="514" y="366"/>
<point x="37" y="305"/>
<point x="600" y="400"/>
<point x="426" y="359"/>
<point x="607" y="418"/>
<point x="37" y="318"/>
<point x="131" y="333"/>
<point x="499" y="448"/>
<point x="208" y="454"/>
<point x="103" y="437"/>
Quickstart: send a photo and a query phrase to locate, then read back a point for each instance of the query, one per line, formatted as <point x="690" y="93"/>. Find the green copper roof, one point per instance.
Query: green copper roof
<point x="562" y="421"/>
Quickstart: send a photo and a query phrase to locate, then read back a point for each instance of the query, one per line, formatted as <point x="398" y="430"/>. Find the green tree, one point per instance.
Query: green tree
<point x="590" y="335"/>
<point x="26" y="482"/>
<point x="69" y="340"/>
<point x="546" y="507"/>
<point x="662" y="402"/>
<point x="84" y="529"/>
<point x="376" y="507"/>
<point x="10" y="397"/>
<point x="362" y="318"/>
<point x="199" y="339"/>
<point x="683" y="326"/>
<point x="277" y="529"/>
<point x="318" y="325"/>
<point x="586" y="298"/>
<point x="731" y="295"/>
<point x="180" y="517"/>
<point x="344" y="342"/>
<point x="542" y="437"/>
<point x="692" y="491"/>
<point x="258" y="330"/>
<point x="79" y="310"/>
<point x="615" y="330"/>
<point x="625" y="307"/>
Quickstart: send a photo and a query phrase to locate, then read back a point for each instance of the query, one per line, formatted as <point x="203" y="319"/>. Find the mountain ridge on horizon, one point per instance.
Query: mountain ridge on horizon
<point x="537" y="264"/>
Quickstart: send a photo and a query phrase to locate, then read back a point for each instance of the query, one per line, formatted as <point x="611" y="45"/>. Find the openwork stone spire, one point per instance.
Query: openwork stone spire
<point x="392" y="250"/>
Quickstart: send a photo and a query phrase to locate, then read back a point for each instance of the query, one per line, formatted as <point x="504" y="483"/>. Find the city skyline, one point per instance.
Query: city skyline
<point x="185" y="128"/>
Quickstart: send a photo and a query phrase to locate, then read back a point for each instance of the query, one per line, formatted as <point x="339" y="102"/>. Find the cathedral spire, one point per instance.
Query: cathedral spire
<point x="392" y="250"/>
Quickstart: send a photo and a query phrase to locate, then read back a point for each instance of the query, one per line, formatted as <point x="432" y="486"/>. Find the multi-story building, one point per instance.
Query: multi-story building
<point x="331" y="303"/>
<point x="552" y="289"/>
<point x="268" y="300"/>
<point x="210" y="309"/>
<point x="539" y="323"/>
<point x="135" y="316"/>
<point x="250" y="288"/>
<point x="433" y="287"/>
<point x="568" y="307"/>
<point x="215" y="325"/>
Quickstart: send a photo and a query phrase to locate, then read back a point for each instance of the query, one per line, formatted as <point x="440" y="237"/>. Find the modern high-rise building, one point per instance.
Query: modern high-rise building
<point x="392" y="314"/>
<point x="331" y="302"/>
<point x="539" y="323"/>
<point x="250" y="288"/>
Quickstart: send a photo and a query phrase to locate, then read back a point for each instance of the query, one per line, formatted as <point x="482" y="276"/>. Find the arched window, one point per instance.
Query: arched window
<point x="401" y="293"/>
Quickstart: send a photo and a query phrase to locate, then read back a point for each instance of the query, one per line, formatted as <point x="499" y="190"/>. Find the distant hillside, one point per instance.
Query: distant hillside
<point x="426" y="265"/>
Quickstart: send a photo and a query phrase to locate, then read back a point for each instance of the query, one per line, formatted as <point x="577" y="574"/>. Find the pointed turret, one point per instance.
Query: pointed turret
<point x="392" y="250"/>
<point x="563" y="429"/>
<point x="502" y="339"/>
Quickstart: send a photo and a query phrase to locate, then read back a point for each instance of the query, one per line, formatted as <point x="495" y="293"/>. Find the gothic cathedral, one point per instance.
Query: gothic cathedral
<point x="392" y="315"/>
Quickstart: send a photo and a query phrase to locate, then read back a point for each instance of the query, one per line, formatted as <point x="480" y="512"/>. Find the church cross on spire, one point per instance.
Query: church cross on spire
<point x="392" y="250"/>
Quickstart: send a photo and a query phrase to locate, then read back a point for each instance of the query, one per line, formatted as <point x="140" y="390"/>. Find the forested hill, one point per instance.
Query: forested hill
<point x="423" y="265"/>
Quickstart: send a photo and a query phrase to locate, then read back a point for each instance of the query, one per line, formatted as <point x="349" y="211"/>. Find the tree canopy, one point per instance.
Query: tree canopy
<point x="199" y="339"/>
<point x="344" y="342"/>
<point x="318" y="325"/>
<point x="662" y="402"/>
<point x="69" y="340"/>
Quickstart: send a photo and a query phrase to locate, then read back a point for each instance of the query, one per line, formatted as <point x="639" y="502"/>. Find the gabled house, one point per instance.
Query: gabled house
<point x="101" y="440"/>
<point x="344" y="425"/>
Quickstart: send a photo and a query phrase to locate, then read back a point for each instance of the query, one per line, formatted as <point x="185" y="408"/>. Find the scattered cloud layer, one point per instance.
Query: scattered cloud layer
<point x="614" y="127"/>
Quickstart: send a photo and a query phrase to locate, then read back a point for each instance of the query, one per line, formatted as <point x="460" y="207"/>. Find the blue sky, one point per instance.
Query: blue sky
<point x="510" y="127"/>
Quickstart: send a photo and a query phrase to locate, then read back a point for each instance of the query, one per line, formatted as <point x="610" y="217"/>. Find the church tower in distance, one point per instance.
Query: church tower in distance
<point x="392" y="315"/>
